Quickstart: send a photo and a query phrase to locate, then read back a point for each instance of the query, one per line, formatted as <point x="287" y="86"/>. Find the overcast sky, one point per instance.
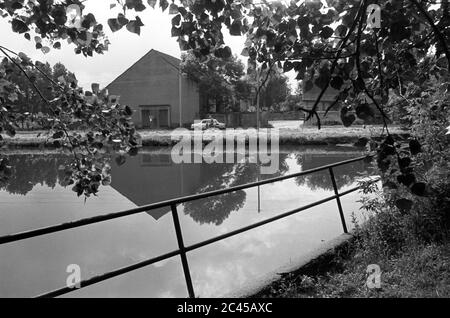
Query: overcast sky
<point x="125" y="49"/>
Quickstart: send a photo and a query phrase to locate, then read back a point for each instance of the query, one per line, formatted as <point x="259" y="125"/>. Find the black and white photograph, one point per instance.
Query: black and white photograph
<point x="225" y="155"/>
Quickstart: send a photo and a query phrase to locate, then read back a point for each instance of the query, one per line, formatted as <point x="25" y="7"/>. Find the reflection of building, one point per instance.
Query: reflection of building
<point x="152" y="86"/>
<point x="140" y="180"/>
<point x="150" y="178"/>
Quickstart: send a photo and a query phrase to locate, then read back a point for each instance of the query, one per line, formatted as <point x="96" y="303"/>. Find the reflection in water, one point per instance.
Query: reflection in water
<point x="36" y="196"/>
<point x="152" y="177"/>
<point x="345" y="175"/>
<point x="217" y="208"/>
<point x="29" y="170"/>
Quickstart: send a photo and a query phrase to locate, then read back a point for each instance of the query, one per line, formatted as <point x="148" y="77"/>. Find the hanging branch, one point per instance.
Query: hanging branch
<point x="57" y="85"/>
<point x="37" y="68"/>
<point x="358" y="68"/>
<point x="338" y="98"/>
<point x="46" y="101"/>
<point x="338" y="56"/>
<point x="380" y="71"/>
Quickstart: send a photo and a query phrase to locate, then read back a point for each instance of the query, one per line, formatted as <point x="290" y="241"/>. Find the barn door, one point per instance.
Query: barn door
<point x="145" y="113"/>
<point x="164" y="117"/>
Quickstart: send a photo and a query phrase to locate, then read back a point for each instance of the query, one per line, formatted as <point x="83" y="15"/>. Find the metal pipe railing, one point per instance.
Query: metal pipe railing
<point x="182" y="249"/>
<point x="105" y="217"/>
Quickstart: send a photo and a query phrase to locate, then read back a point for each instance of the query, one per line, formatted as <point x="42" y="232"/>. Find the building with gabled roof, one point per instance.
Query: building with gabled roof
<point x="159" y="95"/>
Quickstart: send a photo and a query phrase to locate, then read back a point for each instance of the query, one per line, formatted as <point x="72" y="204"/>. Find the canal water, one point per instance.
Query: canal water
<point x="36" y="197"/>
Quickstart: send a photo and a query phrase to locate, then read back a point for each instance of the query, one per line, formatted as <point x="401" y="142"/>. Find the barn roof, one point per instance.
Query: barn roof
<point x="172" y="61"/>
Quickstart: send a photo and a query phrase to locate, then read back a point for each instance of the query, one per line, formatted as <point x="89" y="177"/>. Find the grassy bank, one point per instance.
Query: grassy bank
<point x="329" y="135"/>
<point x="411" y="248"/>
<point x="417" y="271"/>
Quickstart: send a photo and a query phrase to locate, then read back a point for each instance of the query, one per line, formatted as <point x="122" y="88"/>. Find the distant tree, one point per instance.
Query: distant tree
<point x="275" y="92"/>
<point x="59" y="70"/>
<point x="29" y="102"/>
<point x="292" y="103"/>
<point x="220" y="79"/>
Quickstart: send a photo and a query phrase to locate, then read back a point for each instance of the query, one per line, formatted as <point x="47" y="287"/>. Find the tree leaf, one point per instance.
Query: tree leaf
<point x="322" y="80"/>
<point x="404" y="162"/>
<point x="173" y="8"/>
<point x="45" y="49"/>
<point x="404" y="205"/>
<point x="133" y="151"/>
<point x="287" y="66"/>
<point x="308" y="85"/>
<point x="58" y="134"/>
<point x="236" y="28"/>
<point x="364" y="111"/>
<point x="406" y="179"/>
<point x="340" y="30"/>
<point x="303" y="21"/>
<point x="336" y="82"/>
<point x="176" y="20"/>
<point x="414" y="147"/>
<point x="114" y="25"/>
<point x="122" y="19"/>
<point x="128" y="111"/>
<point x="419" y="189"/>
<point x="390" y="185"/>
<point x="223" y="53"/>
<point x="17" y="5"/>
<point x="326" y="32"/>
<point x="175" y="31"/>
<point x="19" y="26"/>
<point x="359" y="84"/>
<point x="348" y="120"/>
<point x="187" y="27"/>
<point x="163" y="4"/>
<point x="88" y="21"/>
<point x="133" y="27"/>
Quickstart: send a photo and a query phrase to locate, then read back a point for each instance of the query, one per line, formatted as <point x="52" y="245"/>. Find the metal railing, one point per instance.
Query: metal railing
<point x="182" y="249"/>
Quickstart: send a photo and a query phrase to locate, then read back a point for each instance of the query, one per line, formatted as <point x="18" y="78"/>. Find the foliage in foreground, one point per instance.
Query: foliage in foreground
<point x="406" y="231"/>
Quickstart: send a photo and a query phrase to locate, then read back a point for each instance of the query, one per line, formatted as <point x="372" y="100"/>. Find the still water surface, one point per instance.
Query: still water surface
<point x="35" y="197"/>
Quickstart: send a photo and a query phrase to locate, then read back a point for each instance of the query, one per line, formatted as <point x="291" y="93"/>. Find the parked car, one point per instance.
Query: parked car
<point x="208" y="123"/>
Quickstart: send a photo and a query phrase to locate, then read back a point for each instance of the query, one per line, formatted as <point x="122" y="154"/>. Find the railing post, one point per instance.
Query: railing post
<point x="184" y="262"/>
<point x="338" y="200"/>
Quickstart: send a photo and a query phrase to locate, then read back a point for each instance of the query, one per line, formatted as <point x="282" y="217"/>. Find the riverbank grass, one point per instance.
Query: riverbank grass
<point x="416" y="271"/>
<point x="327" y="135"/>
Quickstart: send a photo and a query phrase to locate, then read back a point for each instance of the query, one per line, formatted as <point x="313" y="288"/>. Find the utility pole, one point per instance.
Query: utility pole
<point x="180" y="97"/>
<point x="257" y="100"/>
<point x="258" y="89"/>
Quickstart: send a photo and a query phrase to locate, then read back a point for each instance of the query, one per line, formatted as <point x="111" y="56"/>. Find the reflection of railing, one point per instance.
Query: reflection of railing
<point x="182" y="249"/>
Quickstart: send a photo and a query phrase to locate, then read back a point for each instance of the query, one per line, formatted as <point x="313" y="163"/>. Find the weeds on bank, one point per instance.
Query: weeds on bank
<point x="406" y="232"/>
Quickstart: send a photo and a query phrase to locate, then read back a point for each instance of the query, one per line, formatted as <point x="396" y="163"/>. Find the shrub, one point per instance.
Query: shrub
<point x="413" y="205"/>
